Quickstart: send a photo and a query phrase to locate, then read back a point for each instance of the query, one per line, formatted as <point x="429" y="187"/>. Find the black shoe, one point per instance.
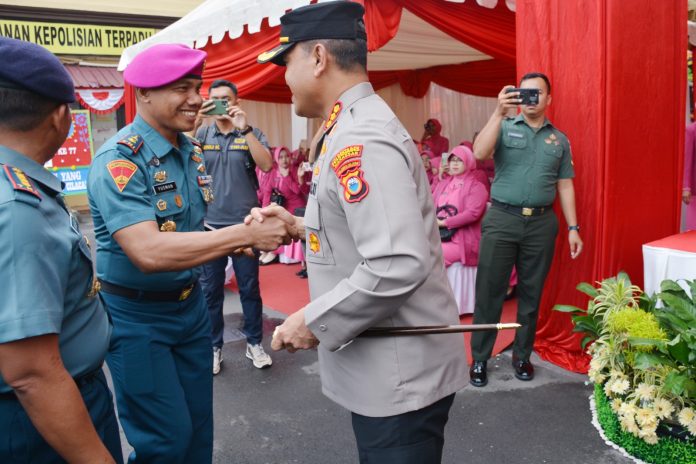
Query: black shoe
<point x="302" y="274"/>
<point x="523" y="369"/>
<point x="477" y="374"/>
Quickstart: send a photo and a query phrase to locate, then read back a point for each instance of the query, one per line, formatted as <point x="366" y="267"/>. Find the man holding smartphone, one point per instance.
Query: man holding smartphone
<point x="232" y="150"/>
<point x="532" y="161"/>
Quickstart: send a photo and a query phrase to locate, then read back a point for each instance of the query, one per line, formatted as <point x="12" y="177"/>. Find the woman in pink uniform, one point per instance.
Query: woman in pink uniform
<point x="433" y="140"/>
<point x="689" y="187"/>
<point x="283" y="183"/>
<point x="465" y="196"/>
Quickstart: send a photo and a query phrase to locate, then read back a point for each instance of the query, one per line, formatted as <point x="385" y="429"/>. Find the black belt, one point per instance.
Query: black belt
<point x="172" y="295"/>
<point x="522" y="210"/>
<point x="80" y="380"/>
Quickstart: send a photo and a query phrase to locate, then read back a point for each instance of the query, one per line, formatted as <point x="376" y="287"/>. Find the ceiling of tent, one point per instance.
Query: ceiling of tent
<point x="212" y="20"/>
<point x="433" y="46"/>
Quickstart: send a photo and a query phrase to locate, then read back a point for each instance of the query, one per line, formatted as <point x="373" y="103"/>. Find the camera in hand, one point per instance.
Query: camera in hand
<point x="528" y="96"/>
<point x="277" y="198"/>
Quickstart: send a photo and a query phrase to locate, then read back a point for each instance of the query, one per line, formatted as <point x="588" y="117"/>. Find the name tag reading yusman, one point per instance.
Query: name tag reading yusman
<point x="516" y="135"/>
<point x="163" y="188"/>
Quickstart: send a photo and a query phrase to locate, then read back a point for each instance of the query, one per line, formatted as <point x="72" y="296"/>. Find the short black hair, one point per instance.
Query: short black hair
<point x="22" y="110"/>
<point x="223" y="83"/>
<point x="349" y="54"/>
<point x="535" y="75"/>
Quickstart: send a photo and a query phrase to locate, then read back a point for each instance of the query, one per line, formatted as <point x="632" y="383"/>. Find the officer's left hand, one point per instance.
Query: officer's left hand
<point x="575" y="243"/>
<point x="238" y="115"/>
<point x="293" y="334"/>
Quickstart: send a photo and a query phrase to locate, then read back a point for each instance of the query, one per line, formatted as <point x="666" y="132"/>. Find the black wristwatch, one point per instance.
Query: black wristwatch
<point x="577" y="228"/>
<point x="247" y="130"/>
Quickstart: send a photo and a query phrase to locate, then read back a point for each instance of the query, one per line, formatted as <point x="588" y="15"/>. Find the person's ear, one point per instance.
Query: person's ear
<point x="142" y="95"/>
<point x="320" y="58"/>
<point x="548" y="100"/>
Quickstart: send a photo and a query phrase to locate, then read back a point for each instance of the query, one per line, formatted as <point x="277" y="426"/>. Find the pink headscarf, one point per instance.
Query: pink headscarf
<point x="466" y="155"/>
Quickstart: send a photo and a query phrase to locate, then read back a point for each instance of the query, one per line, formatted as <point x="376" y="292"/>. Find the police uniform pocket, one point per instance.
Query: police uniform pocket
<point x="318" y="247"/>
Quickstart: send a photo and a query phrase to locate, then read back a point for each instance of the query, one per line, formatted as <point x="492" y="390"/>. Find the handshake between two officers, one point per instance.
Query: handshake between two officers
<point x="293" y="334"/>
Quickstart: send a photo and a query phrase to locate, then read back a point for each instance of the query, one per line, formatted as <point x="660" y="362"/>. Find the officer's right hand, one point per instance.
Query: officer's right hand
<point x="269" y="234"/>
<point x="508" y="101"/>
<point x="295" y="228"/>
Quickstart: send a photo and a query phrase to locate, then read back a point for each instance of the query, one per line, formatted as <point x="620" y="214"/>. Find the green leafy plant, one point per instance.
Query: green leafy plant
<point x="643" y="350"/>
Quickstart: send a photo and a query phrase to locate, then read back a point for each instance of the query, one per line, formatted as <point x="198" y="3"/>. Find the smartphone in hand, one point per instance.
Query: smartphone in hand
<point x="220" y="108"/>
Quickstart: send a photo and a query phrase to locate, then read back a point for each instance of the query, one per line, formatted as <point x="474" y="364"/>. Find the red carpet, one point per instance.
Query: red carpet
<point x="284" y="292"/>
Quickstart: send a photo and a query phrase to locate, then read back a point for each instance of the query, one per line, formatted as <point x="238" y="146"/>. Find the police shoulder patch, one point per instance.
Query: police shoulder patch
<point x="20" y="181"/>
<point x="347" y="165"/>
<point x="121" y="172"/>
<point x="134" y="142"/>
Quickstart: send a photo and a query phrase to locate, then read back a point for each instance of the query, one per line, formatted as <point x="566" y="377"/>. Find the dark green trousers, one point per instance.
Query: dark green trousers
<point x="528" y="243"/>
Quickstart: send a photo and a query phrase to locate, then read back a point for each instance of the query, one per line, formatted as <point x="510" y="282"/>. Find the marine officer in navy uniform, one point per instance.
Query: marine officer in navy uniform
<point x="148" y="191"/>
<point x="55" y="405"/>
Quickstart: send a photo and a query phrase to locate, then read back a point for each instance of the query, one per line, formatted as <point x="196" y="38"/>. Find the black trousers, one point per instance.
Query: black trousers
<point x="415" y="437"/>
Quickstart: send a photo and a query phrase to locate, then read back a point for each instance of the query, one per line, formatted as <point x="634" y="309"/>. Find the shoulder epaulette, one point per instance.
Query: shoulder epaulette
<point x="134" y="142"/>
<point x="194" y="141"/>
<point x="20" y="181"/>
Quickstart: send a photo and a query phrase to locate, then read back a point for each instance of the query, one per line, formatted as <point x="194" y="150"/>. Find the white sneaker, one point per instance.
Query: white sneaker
<point x="258" y="356"/>
<point x="217" y="360"/>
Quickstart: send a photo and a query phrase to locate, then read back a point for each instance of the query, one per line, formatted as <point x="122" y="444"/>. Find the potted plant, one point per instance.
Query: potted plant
<point x="643" y="366"/>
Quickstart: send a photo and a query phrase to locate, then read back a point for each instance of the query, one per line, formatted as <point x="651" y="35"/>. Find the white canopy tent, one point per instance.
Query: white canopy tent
<point x="416" y="45"/>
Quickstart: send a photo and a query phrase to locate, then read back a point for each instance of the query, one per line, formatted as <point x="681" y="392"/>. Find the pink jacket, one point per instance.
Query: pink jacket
<point x="690" y="159"/>
<point x="287" y="185"/>
<point x="469" y="195"/>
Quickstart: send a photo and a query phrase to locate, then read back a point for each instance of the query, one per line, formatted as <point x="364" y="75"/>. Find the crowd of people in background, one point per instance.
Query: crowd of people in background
<point x="460" y="185"/>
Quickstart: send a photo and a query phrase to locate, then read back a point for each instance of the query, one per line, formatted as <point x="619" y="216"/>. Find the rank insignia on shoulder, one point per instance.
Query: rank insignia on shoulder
<point x="333" y="117"/>
<point x="121" y="172"/>
<point x="20" y="181"/>
<point x="134" y="142"/>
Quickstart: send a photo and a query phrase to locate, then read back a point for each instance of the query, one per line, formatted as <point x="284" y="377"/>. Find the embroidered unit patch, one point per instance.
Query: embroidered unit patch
<point x="121" y="172"/>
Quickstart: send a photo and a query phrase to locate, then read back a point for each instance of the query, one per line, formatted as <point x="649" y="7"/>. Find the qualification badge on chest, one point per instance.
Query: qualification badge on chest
<point x="168" y="226"/>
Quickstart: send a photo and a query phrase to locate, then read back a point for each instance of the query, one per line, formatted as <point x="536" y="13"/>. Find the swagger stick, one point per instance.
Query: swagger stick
<point x="434" y="329"/>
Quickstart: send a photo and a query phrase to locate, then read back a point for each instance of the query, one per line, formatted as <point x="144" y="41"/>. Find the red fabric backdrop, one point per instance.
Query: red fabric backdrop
<point x="619" y="82"/>
<point x="490" y="31"/>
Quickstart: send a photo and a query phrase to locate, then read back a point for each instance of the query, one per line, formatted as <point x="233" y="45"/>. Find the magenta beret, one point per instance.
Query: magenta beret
<point x="163" y="64"/>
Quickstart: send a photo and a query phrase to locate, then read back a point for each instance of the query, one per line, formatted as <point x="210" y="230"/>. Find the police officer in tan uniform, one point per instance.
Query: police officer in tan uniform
<point x="373" y="250"/>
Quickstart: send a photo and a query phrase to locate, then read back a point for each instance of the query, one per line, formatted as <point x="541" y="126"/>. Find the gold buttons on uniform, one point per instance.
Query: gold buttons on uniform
<point x="168" y="226"/>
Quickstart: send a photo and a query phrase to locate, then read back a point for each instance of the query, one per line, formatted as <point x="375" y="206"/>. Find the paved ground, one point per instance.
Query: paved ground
<point x="278" y="415"/>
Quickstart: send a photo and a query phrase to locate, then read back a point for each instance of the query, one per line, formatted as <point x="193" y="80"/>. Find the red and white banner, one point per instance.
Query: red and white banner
<point x="100" y="101"/>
